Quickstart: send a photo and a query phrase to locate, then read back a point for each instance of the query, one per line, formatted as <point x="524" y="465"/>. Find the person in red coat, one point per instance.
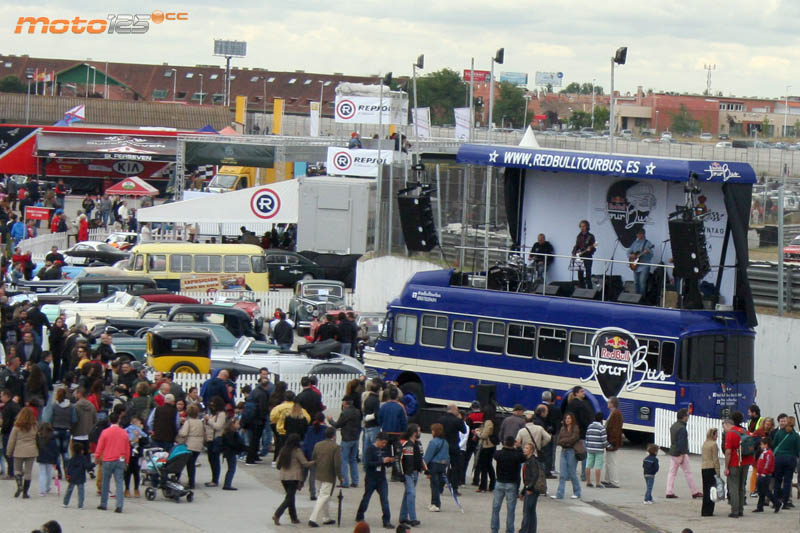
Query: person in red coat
<point x="83" y="228"/>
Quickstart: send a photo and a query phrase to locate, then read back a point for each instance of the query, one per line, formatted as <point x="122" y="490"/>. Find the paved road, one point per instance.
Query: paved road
<point x="250" y="509"/>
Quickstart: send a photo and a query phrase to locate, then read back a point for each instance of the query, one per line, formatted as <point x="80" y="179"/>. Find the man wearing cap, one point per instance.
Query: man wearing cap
<point x="164" y="423"/>
<point x="355" y="141"/>
<point x="512" y="424"/>
<point x="641" y="251"/>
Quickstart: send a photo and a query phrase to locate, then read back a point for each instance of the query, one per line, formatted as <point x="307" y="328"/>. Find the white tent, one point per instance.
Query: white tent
<point x="276" y="203"/>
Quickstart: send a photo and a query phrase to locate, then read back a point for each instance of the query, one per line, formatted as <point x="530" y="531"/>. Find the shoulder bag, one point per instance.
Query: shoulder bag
<point x="580" y="450"/>
<point x="540" y="485"/>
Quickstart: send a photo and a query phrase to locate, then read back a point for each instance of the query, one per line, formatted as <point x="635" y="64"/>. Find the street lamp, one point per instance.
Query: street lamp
<point x="656" y="121"/>
<point x="498" y="58"/>
<point x="418" y="64"/>
<point x="174" y="82"/>
<point x="29" y="77"/>
<point x="527" y="98"/>
<point x="593" y="93"/>
<point x="786" y="109"/>
<point x="201" y="89"/>
<point x="619" y="58"/>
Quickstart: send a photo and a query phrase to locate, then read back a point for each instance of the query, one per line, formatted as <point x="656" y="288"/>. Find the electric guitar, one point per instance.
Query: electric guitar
<point x="633" y="260"/>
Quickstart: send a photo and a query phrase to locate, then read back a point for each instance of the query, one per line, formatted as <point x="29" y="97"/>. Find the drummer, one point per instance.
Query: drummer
<point x="541" y="253"/>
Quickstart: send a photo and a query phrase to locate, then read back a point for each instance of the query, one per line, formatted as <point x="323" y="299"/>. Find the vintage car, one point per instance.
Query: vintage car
<point x="123" y="240"/>
<point x="286" y="268"/>
<point x="93" y="252"/>
<point x="244" y="300"/>
<point x="180" y="350"/>
<point x="120" y="305"/>
<point x="312" y="297"/>
<point x="791" y="252"/>
<point x="135" y="347"/>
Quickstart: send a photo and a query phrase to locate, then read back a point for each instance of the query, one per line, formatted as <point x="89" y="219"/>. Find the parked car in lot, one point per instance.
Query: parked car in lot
<point x="706" y="137"/>
<point x="285" y="268"/>
<point x="93" y="252"/>
<point x="315" y="296"/>
<point x="724" y="144"/>
<point x="626" y="134"/>
<point x="723" y="137"/>
<point x="123" y="240"/>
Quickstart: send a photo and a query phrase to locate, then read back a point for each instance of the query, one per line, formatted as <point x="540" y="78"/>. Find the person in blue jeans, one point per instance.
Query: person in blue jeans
<point x="232" y="445"/>
<point x="114" y="451"/>
<point x="370" y="407"/>
<point x="437" y="457"/>
<point x="411" y="464"/>
<point x="650" y="468"/>
<point x="375" y="461"/>
<point x="75" y="473"/>
<point x="350" y="425"/>
<point x="531" y="471"/>
<point x="568" y="437"/>
<point x="508" y="459"/>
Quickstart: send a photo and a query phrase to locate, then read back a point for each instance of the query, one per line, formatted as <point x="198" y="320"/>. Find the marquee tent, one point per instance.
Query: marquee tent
<point x="132" y="186"/>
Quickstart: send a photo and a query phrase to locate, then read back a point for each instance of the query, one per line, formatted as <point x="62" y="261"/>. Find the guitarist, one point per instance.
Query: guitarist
<point x="584" y="249"/>
<point x="641" y="251"/>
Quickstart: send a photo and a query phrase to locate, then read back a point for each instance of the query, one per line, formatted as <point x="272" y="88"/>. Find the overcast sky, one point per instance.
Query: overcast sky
<point x="754" y="45"/>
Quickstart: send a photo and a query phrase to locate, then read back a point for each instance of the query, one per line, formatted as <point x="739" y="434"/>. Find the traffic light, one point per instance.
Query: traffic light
<point x="498" y="57"/>
<point x="480" y="101"/>
<point x="621" y="55"/>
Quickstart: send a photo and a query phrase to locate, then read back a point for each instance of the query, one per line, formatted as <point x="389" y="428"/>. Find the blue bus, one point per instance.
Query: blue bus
<point x="446" y="336"/>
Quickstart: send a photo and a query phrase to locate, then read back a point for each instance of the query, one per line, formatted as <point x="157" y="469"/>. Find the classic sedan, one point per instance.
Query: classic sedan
<point x="88" y="252"/>
<point x="315" y="296"/>
<point x="120" y="305"/>
<point x="285" y="268"/>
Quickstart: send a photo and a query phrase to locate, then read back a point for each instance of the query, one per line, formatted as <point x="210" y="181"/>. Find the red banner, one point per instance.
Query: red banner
<point x="37" y="213"/>
<point x="479" y="75"/>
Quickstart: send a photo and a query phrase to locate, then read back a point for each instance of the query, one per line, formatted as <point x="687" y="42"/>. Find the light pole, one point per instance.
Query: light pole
<point x="86" y="85"/>
<point x="527" y="98"/>
<point x="619" y="58"/>
<point x="418" y="64"/>
<point x="174" y="82"/>
<point x="656" y="122"/>
<point x="201" y="89"/>
<point x="786" y="109"/>
<point x="593" y="93"/>
<point x="94" y="79"/>
<point x="379" y="185"/>
<point x="321" y="88"/>
<point x="498" y="58"/>
<point x="29" y="77"/>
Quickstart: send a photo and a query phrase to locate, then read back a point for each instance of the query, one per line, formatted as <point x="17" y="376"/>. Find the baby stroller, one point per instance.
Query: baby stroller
<point x="162" y="470"/>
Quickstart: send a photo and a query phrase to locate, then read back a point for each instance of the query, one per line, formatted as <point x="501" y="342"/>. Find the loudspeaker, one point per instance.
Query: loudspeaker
<point x="586" y="294"/>
<point x="689" y="253"/>
<point x="613" y="287"/>
<point x="562" y="288"/>
<point x="551" y="290"/>
<point x="486" y="394"/>
<point x="416" y="218"/>
<point x="629" y="298"/>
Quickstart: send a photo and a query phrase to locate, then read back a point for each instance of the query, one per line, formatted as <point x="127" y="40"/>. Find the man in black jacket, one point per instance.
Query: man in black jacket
<point x="582" y="408"/>
<point x="282" y="332"/>
<point x="453" y="424"/>
<point x="9" y="414"/>
<point x="260" y="396"/>
<point x="308" y="399"/>
<point x="28" y="349"/>
<point x="327" y="330"/>
<point x="509" y="460"/>
<point x="553" y="427"/>
<point x="350" y="425"/>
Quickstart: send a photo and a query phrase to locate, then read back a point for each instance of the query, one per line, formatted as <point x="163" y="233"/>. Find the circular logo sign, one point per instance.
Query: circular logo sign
<point x="342" y="161"/>
<point x="345" y="109"/>
<point x="128" y="186"/>
<point x="127" y="168"/>
<point x="265" y="203"/>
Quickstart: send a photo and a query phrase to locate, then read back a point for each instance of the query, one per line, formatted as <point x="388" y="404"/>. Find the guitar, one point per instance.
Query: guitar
<point x="633" y="259"/>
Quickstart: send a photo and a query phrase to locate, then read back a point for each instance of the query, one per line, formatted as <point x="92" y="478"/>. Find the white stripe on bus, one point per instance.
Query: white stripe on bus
<point x="511" y="377"/>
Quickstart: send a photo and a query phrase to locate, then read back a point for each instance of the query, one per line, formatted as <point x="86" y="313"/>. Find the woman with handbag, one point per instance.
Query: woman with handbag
<point x="487" y="440"/>
<point x="569" y="438"/>
<point x="534" y="483"/>
<point x="291" y="463"/>
<point x="215" y="424"/>
<point x="709" y="470"/>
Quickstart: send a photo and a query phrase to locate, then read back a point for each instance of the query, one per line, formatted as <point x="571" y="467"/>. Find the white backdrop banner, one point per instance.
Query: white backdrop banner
<point x="364" y="109"/>
<point x="314" y="122"/>
<point x="357" y="162"/>
<point x="462" y="122"/>
<point x="422" y="119"/>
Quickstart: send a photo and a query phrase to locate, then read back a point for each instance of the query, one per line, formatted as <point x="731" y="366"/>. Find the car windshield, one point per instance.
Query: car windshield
<point x="69" y="288"/>
<point x="319" y="289"/>
<point x="106" y="248"/>
<point x="795" y="241"/>
<point x="223" y="180"/>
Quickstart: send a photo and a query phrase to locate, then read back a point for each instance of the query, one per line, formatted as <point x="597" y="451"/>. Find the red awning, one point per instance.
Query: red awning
<point x="132" y="186"/>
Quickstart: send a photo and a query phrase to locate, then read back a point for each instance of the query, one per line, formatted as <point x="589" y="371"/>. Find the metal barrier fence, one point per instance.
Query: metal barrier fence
<point x="697" y="427"/>
<point x="764" y="284"/>
<point x="268" y="300"/>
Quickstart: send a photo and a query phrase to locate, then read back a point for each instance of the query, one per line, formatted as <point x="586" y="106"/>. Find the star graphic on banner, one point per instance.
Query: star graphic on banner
<point x="650" y="168"/>
<point x="493" y="157"/>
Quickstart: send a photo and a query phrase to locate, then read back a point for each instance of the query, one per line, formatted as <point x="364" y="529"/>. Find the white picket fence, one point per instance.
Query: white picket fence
<point x="697" y="428"/>
<point x="332" y="386"/>
<point x="40" y="246"/>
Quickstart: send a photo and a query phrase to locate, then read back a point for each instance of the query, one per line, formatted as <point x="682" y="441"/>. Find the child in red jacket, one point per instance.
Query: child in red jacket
<point x="765" y="467"/>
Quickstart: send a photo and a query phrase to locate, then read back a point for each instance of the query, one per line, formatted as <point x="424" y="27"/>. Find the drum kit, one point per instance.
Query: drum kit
<point x="511" y="276"/>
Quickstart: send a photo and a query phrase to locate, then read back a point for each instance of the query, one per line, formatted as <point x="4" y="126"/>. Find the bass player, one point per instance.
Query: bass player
<point x="641" y="251"/>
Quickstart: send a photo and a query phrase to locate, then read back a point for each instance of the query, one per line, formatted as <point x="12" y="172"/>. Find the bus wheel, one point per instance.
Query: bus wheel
<point x="415" y="388"/>
<point x="184" y="367"/>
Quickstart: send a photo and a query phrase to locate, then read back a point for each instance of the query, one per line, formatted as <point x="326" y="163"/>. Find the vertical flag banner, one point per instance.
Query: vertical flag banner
<point x="422" y="119"/>
<point x="277" y="116"/>
<point x="313" y="123"/>
<point x="240" y="115"/>
<point x="462" y="122"/>
<point x="75" y="114"/>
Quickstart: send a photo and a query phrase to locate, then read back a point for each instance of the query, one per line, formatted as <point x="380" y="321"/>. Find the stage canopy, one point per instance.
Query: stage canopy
<point x="132" y="186"/>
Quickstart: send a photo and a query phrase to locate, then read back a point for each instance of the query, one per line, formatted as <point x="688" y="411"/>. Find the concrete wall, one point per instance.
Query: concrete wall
<point x="777" y="364"/>
<point x="380" y="280"/>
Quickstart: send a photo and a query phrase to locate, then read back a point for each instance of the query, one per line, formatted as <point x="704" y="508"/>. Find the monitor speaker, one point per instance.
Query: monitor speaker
<point x="586" y="294"/>
<point x="486" y="394"/>
<point x="416" y="218"/>
<point x="689" y="253"/>
<point x="560" y="288"/>
<point x="629" y="298"/>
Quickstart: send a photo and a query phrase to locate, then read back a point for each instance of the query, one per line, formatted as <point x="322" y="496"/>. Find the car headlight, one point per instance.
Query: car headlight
<point x="309" y="308"/>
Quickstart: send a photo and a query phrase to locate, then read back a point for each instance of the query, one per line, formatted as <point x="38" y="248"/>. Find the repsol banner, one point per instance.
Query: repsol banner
<point x="362" y="163"/>
<point x="367" y="109"/>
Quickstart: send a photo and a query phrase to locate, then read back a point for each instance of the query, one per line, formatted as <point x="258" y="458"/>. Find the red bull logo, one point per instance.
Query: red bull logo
<point x="617" y="343"/>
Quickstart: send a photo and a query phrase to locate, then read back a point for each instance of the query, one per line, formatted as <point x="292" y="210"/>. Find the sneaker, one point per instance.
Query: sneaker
<point x="698" y="495"/>
<point x="118" y="510"/>
<point x="432" y="508"/>
<point x="575" y="497"/>
<point x="329" y="522"/>
<point x="64" y="505"/>
<point x="553" y="496"/>
<point x="590" y="485"/>
<point x="415" y="523"/>
<point x="273" y="464"/>
<point x="753" y="495"/>
<point x="648" y="502"/>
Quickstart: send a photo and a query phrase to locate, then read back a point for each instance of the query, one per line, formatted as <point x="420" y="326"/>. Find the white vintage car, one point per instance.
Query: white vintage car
<point x="121" y="305"/>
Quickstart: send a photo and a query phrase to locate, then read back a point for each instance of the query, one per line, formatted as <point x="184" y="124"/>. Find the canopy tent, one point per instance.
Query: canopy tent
<point x="132" y="186"/>
<point x="276" y="203"/>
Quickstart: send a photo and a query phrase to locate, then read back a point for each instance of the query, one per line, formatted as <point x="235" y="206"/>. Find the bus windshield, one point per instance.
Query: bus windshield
<point x="718" y="358"/>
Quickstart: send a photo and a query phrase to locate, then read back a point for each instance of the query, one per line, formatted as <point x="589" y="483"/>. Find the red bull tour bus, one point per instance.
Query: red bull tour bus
<point x="448" y="332"/>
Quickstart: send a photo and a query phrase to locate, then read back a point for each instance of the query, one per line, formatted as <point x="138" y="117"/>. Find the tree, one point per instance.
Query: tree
<point x="796" y="128"/>
<point x="765" y="127"/>
<point x="601" y="115"/>
<point x="682" y="122"/>
<point x="12" y="84"/>
<point x="442" y="91"/>
<point x="580" y="119"/>
<point x="572" y="88"/>
<point x="510" y="103"/>
<point x="581" y="88"/>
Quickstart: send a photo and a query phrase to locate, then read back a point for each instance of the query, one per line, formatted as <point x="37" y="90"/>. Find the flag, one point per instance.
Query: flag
<point x="73" y="115"/>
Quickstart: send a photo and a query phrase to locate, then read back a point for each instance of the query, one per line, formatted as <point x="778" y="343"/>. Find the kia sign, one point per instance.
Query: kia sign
<point x="549" y="78"/>
<point x="477" y="75"/>
<point x="367" y="109"/>
<point x="265" y="203"/>
<point x="361" y="163"/>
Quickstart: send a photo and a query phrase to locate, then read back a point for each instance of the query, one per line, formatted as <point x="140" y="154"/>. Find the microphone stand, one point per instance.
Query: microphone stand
<point x="613" y="253"/>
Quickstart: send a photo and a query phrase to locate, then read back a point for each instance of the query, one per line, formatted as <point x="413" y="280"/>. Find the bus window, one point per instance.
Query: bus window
<point x="259" y="264"/>
<point x="462" y="335"/>
<point x="651" y="356"/>
<point x="521" y="340"/>
<point x="207" y="263"/>
<point x="552" y="344"/>
<point x="180" y="263"/>
<point x="138" y="262"/>
<point x="668" y="357"/>
<point x="491" y="336"/>
<point x="716" y="358"/>
<point x="157" y="263"/>
<point x="237" y="263"/>
<point x="580" y="347"/>
<point x="405" y="329"/>
<point x="433" y="331"/>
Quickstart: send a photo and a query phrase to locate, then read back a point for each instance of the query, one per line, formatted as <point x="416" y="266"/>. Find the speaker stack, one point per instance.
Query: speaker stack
<point x="689" y="253"/>
<point x="416" y="218"/>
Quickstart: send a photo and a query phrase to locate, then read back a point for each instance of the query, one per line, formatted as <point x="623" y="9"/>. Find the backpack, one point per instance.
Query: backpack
<point x="249" y="412"/>
<point x="410" y="403"/>
<point x="749" y="445"/>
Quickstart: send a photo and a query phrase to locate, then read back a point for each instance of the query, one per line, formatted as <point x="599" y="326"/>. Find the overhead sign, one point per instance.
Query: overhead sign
<point x="114" y="146"/>
<point x="477" y="75"/>
<point x="519" y="79"/>
<point x="549" y="78"/>
<point x="265" y="203"/>
<point x="422" y="119"/>
<point x="215" y="153"/>
<point x="365" y="109"/>
<point x="363" y="163"/>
